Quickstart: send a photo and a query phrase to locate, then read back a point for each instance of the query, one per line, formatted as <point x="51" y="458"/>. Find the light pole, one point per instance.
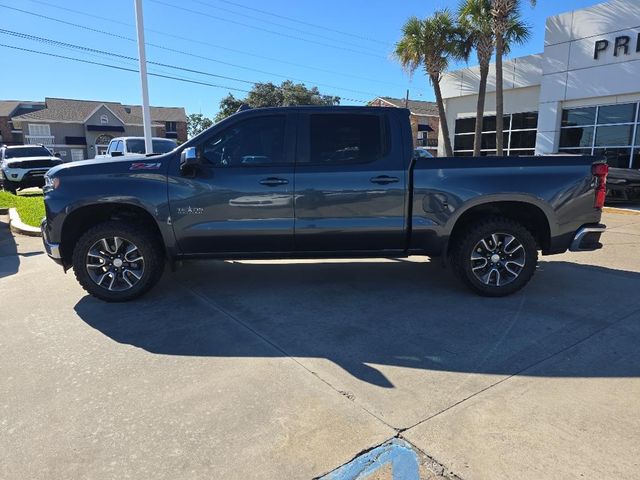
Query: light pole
<point x="146" y="112"/>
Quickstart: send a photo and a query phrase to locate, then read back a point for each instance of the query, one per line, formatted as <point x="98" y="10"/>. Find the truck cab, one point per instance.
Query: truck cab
<point x="126" y="146"/>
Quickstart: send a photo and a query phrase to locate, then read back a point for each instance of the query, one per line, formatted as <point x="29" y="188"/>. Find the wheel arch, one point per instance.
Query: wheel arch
<point x="85" y="217"/>
<point x="525" y="211"/>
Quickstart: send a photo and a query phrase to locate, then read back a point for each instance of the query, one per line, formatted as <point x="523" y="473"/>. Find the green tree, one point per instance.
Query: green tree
<point x="196" y="123"/>
<point x="476" y="28"/>
<point x="503" y="12"/>
<point x="270" y="95"/>
<point x="430" y="44"/>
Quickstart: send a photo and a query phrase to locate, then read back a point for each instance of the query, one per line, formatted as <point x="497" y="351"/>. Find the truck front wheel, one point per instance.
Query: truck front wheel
<point x="9" y="186"/>
<point x="495" y="257"/>
<point x="116" y="261"/>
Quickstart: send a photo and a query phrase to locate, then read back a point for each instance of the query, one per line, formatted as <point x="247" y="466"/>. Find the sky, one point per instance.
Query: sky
<point x="341" y="46"/>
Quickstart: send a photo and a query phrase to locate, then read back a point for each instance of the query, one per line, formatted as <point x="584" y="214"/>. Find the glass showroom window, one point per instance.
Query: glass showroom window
<point x="519" y="134"/>
<point x="609" y="130"/>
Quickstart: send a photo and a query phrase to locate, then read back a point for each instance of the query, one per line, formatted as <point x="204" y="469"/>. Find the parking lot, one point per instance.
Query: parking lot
<point x="289" y="369"/>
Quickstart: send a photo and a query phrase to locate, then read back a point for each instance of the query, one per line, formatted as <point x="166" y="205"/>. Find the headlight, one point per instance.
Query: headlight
<point x="50" y="183"/>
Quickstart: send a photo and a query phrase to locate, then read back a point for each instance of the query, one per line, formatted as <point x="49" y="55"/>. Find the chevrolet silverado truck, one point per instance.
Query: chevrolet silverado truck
<point x="319" y="182"/>
<point x="24" y="166"/>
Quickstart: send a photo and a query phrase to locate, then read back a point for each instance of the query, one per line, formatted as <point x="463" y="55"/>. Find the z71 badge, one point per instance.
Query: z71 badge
<point x="145" y="166"/>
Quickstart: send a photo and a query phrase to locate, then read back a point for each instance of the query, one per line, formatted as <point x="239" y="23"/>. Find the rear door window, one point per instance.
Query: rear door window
<point x="346" y="138"/>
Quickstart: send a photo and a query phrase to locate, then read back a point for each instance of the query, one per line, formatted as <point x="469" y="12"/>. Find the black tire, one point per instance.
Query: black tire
<point x="503" y="274"/>
<point x="9" y="186"/>
<point x="149" y="267"/>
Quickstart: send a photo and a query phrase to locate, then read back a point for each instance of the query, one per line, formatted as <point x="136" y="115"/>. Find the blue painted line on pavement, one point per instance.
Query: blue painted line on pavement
<point x="398" y="453"/>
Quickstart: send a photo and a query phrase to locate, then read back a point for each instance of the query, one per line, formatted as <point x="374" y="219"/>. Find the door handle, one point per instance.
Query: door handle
<point x="384" y="179"/>
<point x="274" y="181"/>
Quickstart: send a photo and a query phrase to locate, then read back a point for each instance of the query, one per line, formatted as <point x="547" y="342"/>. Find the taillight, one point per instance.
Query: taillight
<point x="600" y="171"/>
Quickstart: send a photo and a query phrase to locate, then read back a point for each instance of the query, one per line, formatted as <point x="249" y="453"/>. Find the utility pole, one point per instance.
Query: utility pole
<point x="146" y="112"/>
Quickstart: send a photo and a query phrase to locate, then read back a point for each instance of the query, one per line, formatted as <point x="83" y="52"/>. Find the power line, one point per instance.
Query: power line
<point x="302" y="22"/>
<point x="218" y="46"/>
<point x="285" y="35"/>
<point x="128" y="58"/>
<point x="117" y="55"/>
<point x="182" y="52"/>
<point x="278" y="24"/>
<point x="116" y="67"/>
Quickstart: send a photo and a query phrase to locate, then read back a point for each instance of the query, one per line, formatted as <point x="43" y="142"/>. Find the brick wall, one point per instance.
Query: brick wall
<point x="431" y="137"/>
<point x="5" y="131"/>
<point x="181" y="128"/>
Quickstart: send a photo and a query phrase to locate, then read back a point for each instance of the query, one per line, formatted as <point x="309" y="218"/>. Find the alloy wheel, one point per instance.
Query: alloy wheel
<point x="498" y="259"/>
<point x="115" y="264"/>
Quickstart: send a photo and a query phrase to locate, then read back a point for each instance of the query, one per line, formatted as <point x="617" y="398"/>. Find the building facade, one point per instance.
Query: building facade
<point x="581" y="95"/>
<point x="425" y="122"/>
<point x="81" y="129"/>
<point x="9" y="134"/>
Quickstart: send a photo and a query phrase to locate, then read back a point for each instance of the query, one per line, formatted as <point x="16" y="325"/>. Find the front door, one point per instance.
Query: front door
<point x="350" y="183"/>
<point x="240" y="199"/>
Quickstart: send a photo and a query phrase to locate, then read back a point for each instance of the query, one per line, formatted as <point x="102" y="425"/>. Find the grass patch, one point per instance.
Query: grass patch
<point x="30" y="206"/>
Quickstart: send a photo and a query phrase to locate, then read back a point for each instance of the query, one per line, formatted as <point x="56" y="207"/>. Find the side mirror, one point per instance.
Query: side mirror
<point x="117" y="154"/>
<point x="189" y="160"/>
<point x="57" y="154"/>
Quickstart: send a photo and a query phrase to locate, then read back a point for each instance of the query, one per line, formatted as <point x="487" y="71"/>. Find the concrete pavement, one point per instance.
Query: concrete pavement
<point x="290" y="369"/>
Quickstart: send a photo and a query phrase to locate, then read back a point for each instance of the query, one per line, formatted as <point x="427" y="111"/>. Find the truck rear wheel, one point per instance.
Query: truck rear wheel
<point x="117" y="261"/>
<point x="496" y="257"/>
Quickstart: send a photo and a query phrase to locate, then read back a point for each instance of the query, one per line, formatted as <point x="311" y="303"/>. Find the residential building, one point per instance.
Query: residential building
<point x="425" y="122"/>
<point x="9" y="135"/>
<point x="581" y="95"/>
<point x="80" y="129"/>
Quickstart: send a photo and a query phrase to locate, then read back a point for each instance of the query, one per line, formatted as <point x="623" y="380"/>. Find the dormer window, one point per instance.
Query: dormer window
<point x="104" y="119"/>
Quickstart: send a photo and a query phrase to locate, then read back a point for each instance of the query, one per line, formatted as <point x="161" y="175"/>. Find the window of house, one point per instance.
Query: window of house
<point x="77" y="154"/>
<point x="519" y="130"/>
<point x="609" y="130"/>
<point x="252" y="142"/>
<point x="170" y="127"/>
<point x="346" y="138"/>
<point x="39" y="130"/>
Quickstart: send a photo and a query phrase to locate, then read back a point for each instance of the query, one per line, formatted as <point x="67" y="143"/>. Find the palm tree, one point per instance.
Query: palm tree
<point x="502" y="13"/>
<point x="476" y="28"/>
<point x="430" y="44"/>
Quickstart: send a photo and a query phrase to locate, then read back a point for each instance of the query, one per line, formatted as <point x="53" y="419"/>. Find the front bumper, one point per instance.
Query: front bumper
<point x="587" y="238"/>
<point x="52" y="249"/>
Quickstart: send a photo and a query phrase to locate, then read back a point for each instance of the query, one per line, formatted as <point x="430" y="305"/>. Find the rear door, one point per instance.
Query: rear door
<point x="350" y="182"/>
<point x="240" y="200"/>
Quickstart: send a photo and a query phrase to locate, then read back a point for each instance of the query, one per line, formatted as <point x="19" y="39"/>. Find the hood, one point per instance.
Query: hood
<point x="97" y="166"/>
<point x="26" y="160"/>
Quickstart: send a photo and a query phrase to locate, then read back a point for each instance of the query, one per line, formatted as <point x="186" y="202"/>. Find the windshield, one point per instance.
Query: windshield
<point x="159" y="146"/>
<point x="26" y="152"/>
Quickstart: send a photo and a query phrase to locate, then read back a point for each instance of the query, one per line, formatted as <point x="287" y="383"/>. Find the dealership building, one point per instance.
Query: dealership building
<point x="581" y="95"/>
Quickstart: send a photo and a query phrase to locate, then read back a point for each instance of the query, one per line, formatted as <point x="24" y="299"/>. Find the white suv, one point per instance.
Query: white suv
<point x="24" y="166"/>
<point x="125" y="146"/>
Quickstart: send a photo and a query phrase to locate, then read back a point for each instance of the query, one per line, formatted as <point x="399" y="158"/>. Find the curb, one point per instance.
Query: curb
<point x="16" y="225"/>
<point x="621" y="211"/>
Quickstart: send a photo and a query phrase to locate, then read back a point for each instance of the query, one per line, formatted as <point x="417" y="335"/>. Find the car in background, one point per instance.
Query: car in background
<point x="421" y="152"/>
<point x="24" y="166"/>
<point x="126" y="146"/>
<point x="623" y="185"/>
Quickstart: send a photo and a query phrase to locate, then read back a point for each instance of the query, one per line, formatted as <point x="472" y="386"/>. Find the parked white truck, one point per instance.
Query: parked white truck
<point x="125" y="146"/>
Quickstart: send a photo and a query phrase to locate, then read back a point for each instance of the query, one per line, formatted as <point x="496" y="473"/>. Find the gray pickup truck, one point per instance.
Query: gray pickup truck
<point x="320" y="182"/>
